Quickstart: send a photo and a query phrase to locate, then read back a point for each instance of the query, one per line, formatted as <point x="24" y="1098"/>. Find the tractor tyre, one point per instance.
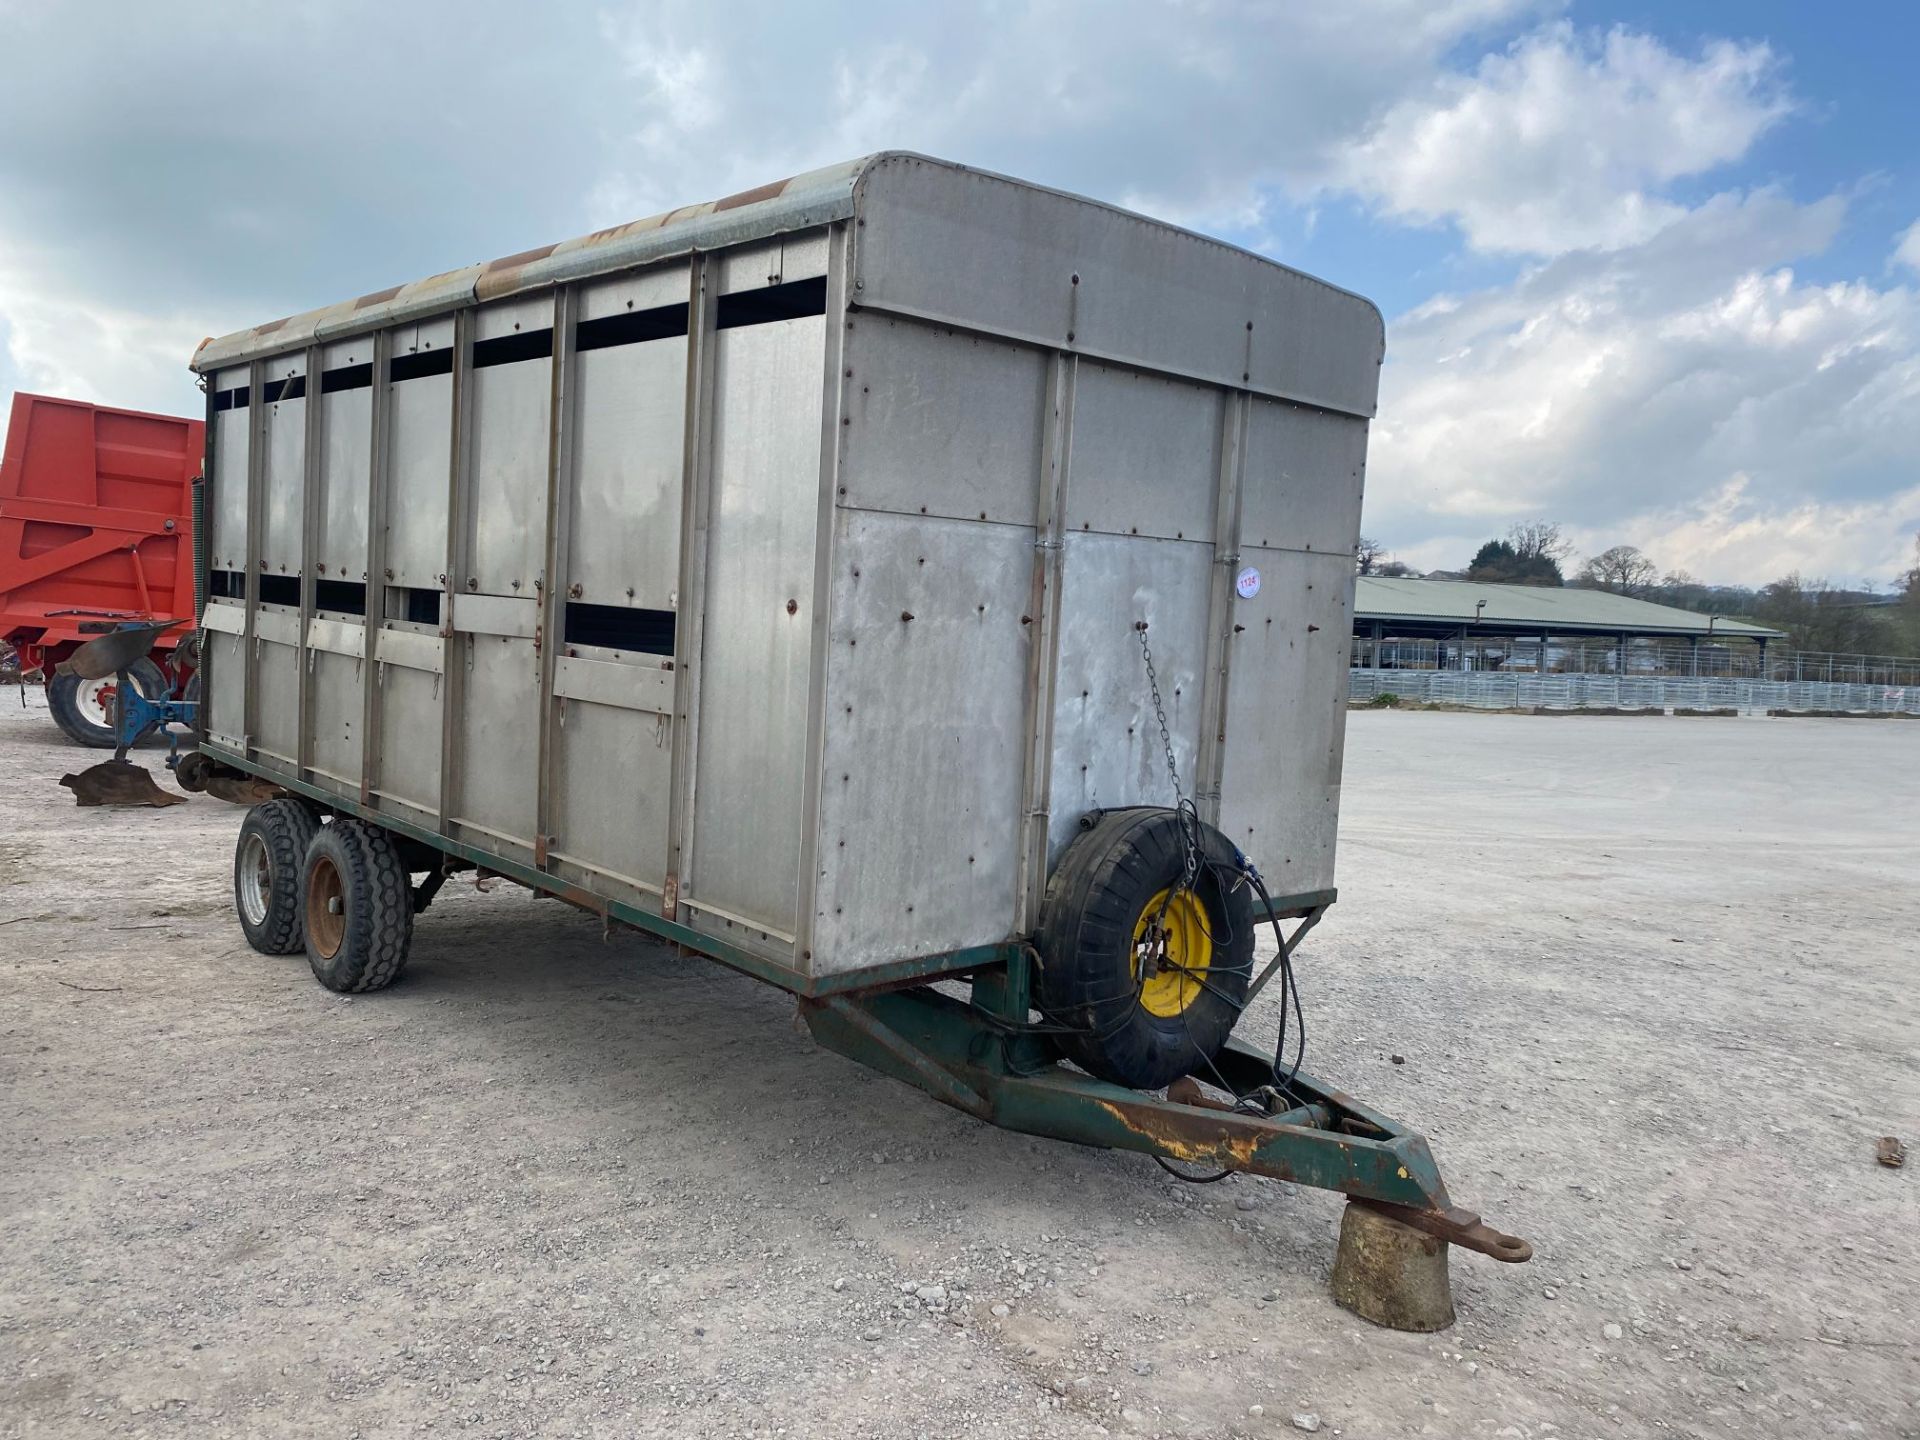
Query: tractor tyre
<point x="1148" y="975"/>
<point x="358" y="907"/>
<point x="85" y="709"/>
<point x="267" y="869"/>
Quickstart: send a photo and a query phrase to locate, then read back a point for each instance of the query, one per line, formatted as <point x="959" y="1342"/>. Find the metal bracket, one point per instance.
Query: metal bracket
<point x="1457" y="1226"/>
<point x="1284" y="954"/>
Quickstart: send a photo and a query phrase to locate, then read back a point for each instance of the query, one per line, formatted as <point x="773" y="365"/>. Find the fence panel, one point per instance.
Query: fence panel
<point x="1490" y="690"/>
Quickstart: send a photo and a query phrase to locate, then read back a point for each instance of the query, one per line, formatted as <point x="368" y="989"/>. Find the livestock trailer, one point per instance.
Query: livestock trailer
<point x="96" y="531"/>
<point x="893" y="574"/>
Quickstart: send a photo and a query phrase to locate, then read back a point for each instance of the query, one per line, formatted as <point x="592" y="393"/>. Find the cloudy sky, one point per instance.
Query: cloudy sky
<point x="1651" y="270"/>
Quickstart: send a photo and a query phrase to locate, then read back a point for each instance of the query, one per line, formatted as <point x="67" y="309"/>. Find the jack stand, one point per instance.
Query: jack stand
<point x="1390" y="1273"/>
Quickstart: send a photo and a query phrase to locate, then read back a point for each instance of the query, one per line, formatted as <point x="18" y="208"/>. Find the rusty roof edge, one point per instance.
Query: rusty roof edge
<point x="804" y="202"/>
<point x="406" y="302"/>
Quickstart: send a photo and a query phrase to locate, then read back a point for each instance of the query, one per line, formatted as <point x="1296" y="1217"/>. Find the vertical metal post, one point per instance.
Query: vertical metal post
<point x="696" y="489"/>
<point x="376" y="612"/>
<point x="835" y="382"/>
<point x="1043" y="653"/>
<point x="312" y="479"/>
<point x="255" y="562"/>
<point x="1211" y="760"/>
<point x="203" y="553"/>
<point x="452" y="666"/>
<point x="550" y="588"/>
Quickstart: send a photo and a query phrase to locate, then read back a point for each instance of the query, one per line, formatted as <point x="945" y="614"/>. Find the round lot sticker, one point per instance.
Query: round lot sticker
<point x="1247" y="584"/>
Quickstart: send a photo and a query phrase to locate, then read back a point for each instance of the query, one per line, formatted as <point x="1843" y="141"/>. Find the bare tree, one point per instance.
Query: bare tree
<point x="1539" y="540"/>
<point x="1623" y="570"/>
<point x="1367" y="556"/>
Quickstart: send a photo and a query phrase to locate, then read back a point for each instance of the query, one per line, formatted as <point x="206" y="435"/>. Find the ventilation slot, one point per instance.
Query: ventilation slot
<point x="279" y="589"/>
<point x="413" y="603"/>
<point x="508" y="349"/>
<point x="347" y="377"/>
<point x="616" y="627"/>
<point x="341" y="597"/>
<point x="631" y="328"/>
<point x="792" y="301"/>
<point x="419" y="365"/>
<point x="227" y="585"/>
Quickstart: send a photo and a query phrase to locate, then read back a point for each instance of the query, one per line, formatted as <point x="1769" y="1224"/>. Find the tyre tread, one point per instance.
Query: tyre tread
<point x="379" y="899"/>
<point x="287" y="827"/>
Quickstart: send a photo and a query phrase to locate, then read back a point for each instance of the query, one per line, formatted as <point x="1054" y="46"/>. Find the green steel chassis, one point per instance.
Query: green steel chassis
<point x="982" y="1056"/>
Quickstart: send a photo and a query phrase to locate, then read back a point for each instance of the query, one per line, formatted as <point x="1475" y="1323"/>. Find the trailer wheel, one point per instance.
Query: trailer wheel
<point x="84" y="709"/>
<point x="267" y="866"/>
<point x="1142" y="1010"/>
<point x="358" y="905"/>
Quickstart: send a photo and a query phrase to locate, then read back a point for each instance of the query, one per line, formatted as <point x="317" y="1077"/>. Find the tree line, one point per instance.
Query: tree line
<point x="1815" y="614"/>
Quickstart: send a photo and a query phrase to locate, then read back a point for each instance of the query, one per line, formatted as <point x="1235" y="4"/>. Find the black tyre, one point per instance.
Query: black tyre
<point x="85" y="709"/>
<point x="1145" y="1009"/>
<point x="358" y="904"/>
<point x="268" y="868"/>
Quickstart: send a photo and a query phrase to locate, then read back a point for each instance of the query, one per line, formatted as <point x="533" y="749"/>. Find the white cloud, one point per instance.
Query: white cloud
<point x="1565" y="140"/>
<point x="1660" y="373"/>
<point x="71" y="345"/>
<point x="1907" y="249"/>
<point x="1688" y="394"/>
<point x="1730" y="532"/>
<point x="1192" y="111"/>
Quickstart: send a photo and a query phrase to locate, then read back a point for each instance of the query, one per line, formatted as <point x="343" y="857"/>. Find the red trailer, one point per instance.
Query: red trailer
<point x="96" y="527"/>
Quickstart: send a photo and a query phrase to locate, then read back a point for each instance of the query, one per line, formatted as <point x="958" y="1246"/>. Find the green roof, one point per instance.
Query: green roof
<point x="1553" y="609"/>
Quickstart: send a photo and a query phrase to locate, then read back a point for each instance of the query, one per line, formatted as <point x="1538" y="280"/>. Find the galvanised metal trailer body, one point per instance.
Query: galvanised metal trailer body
<point x="793" y="592"/>
<point x="773" y="575"/>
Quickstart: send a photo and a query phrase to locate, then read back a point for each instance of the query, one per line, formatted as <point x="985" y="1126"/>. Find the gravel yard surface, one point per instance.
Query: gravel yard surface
<point x="1654" y="983"/>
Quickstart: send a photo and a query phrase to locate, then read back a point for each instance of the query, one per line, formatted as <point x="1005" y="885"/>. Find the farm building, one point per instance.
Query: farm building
<point x="1403" y="624"/>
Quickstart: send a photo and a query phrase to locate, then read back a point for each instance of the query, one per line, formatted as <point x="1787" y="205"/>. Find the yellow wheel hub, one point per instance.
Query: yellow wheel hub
<point x="1174" y="971"/>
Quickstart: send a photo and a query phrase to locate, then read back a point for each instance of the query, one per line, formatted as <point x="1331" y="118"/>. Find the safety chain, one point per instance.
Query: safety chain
<point x="1189" y="839"/>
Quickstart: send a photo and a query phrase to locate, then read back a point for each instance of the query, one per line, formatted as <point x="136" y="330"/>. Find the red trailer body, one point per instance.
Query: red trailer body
<point x="96" y="524"/>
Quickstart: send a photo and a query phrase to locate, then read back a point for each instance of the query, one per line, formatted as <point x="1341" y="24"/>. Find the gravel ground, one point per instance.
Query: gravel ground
<point x="1653" y="981"/>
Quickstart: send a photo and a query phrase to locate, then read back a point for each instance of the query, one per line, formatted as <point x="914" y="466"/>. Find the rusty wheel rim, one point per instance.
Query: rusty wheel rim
<point x="326" y="908"/>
